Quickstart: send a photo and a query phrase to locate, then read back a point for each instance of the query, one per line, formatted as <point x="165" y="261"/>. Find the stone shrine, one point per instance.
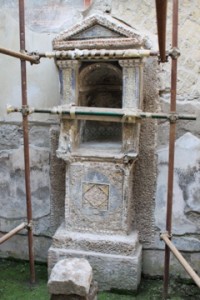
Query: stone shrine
<point x="100" y="155"/>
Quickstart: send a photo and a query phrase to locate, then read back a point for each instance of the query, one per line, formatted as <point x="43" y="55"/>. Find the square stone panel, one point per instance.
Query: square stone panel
<point x="95" y="196"/>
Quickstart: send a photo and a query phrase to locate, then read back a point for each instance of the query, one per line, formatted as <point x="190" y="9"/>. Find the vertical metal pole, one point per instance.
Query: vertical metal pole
<point x="172" y="137"/>
<point x="161" y="14"/>
<point x="26" y="141"/>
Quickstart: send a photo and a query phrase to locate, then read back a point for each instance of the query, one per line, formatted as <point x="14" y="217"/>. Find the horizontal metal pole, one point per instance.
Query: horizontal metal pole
<point x="34" y="57"/>
<point x="31" y="58"/>
<point x="8" y="235"/>
<point x="181" y="259"/>
<point x="114" y="114"/>
<point x="98" y="53"/>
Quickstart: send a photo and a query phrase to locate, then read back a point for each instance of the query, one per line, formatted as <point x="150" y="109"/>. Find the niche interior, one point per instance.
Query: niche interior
<point x="100" y="85"/>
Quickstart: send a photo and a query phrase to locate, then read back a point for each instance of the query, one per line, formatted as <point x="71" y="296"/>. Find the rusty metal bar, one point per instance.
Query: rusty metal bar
<point x="15" y="230"/>
<point x="172" y="137"/>
<point x="113" y="114"/>
<point x="161" y="14"/>
<point x="34" y="59"/>
<point x="181" y="259"/>
<point x="26" y="141"/>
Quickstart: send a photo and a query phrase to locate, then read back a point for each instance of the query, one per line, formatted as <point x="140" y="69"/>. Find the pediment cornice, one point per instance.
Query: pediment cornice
<point x="99" y="31"/>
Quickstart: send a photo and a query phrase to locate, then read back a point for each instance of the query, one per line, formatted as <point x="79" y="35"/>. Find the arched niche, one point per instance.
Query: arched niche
<point x="100" y="85"/>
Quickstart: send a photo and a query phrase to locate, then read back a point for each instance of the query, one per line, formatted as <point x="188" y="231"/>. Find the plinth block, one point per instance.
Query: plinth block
<point x="115" y="259"/>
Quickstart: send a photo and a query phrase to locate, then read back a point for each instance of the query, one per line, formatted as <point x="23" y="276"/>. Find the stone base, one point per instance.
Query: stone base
<point x="115" y="259"/>
<point x="91" y="296"/>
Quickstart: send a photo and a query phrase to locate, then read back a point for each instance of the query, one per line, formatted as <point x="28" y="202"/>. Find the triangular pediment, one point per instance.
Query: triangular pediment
<point x="100" y="29"/>
<point x="95" y="32"/>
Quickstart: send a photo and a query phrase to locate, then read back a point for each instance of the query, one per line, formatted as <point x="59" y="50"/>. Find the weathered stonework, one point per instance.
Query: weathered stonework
<point x="109" y="185"/>
<point x="69" y="71"/>
<point x="132" y="81"/>
<point x="115" y="259"/>
<point x="71" y="277"/>
<point x="186" y="206"/>
<point x="146" y="164"/>
<point x="90" y="34"/>
<point x="98" y="196"/>
<point x="153" y="263"/>
<point x="12" y="197"/>
<point x="17" y="246"/>
<point x="132" y="99"/>
<point x="43" y="21"/>
<point x="57" y="183"/>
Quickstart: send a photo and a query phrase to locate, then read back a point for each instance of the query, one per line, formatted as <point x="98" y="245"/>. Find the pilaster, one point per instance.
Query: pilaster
<point x="132" y="83"/>
<point x="69" y="80"/>
<point x="132" y="97"/>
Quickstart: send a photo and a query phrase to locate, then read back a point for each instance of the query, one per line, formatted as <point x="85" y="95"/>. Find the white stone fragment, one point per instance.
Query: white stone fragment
<point x="186" y="185"/>
<point x="70" y="276"/>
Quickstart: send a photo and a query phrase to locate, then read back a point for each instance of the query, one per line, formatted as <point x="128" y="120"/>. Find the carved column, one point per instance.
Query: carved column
<point x="132" y="98"/>
<point x="69" y="80"/>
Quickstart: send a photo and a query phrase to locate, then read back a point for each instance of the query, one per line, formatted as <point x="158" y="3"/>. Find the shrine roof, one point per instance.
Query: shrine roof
<point x="99" y="31"/>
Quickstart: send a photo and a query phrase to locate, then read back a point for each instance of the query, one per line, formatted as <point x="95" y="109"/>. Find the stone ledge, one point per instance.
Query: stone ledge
<point x="103" y="243"/>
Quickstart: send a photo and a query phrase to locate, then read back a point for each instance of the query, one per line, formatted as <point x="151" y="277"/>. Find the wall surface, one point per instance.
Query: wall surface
<point x="44" y="20"/>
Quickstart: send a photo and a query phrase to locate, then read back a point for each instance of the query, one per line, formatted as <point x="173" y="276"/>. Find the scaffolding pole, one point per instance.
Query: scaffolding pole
<point x="8" y="235"/>
<point x="181" y="259"/>
<point x="161" y="14"/>
<point x="172" y="137"/>
<point x="101" y="114"/>
<point x="33" y="59"/>
<point x="26" y="141"/>
<point x="84" y="54"/>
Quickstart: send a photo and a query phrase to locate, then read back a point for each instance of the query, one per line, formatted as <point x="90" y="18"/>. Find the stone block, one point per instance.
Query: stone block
<point x="186" y="206"/>
<point x="153" y="264"/>
<point x="57" y="182"/>
<point x="10" y="136"/>
<point x="92" y="295"/>
<point x="70" y="276"/>
<point x="115" y="260"/>
<point x="182" y="243"/>
<point x="39" y="136"/>
<point x="13" y="197"/>
<point x="17" y="247"/>
<point x="98" y="197"/>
